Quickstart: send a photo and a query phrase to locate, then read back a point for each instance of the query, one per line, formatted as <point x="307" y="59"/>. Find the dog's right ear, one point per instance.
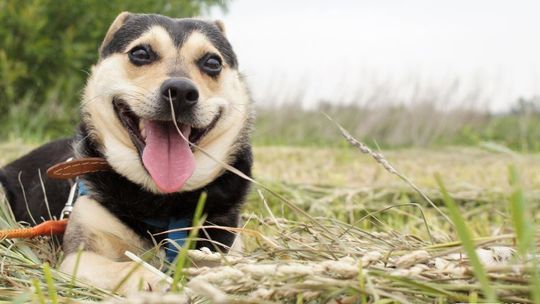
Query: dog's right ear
<point x="115" y="26"/>
<point x="220" y="25"/>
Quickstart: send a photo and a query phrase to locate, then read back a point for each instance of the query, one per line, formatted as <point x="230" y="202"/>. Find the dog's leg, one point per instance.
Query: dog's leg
<point x="102" y="272"/>
<point x="104" y="239"/>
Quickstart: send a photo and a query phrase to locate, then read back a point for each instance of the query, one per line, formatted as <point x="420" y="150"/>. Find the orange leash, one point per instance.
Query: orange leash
<point x="46" y="228"/>
<point x="66" y="170"/>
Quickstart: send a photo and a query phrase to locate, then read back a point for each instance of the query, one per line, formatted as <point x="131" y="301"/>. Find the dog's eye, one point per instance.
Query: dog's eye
<point x="211" y="64"/>
<point x="140" y="55"/>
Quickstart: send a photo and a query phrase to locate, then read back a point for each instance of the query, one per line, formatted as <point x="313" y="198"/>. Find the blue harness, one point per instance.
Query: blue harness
<point x="176" y="238"/>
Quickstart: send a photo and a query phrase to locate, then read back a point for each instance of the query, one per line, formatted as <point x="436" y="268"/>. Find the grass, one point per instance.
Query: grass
<point x="441" y="121"/>
<point x="469" y="246"/>
<point x="367" y="239"/>
<point x="179" y="276"/>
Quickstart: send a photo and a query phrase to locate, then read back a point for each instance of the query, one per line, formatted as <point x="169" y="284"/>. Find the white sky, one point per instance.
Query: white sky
<point x="340" y="49"/>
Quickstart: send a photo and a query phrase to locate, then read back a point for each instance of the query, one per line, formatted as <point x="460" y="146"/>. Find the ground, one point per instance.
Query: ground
<point x="358" y="233"/>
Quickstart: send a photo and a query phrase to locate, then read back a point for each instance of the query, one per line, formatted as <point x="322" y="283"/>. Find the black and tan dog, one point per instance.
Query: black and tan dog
<point x="147" y="64"/>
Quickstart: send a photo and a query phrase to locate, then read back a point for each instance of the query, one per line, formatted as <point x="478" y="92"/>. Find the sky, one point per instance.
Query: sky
<point x="342" y="49"/>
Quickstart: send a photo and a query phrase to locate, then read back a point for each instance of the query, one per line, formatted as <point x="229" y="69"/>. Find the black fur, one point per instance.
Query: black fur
<point x="29" y="167"/>
<point x="136" y="24"/>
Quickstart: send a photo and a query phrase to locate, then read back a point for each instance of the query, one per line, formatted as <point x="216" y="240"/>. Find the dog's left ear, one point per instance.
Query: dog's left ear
<point x="115" y="26"/>
<point x="219" y="24"/>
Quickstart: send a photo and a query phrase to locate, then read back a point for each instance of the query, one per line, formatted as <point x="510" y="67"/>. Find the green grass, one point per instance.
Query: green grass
<point x="415" y="125"/>
<point x="182" y="262"/>
<point x="366" y="239"/>
<point x="465" y="236"/>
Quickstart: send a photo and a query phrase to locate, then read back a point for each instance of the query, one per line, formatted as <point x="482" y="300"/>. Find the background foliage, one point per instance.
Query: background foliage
<point x="46" y="50"/>
<point x="396" y="126"/>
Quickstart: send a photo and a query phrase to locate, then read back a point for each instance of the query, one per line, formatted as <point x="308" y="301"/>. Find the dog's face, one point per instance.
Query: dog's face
<point x="154" y="70"/>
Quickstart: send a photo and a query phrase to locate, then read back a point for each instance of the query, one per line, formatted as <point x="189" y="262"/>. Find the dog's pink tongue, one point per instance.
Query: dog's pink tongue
<point x="167" y="156"/>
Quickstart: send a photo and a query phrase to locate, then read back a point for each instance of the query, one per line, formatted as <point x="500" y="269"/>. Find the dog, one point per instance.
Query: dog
<point x="167" y="108"/>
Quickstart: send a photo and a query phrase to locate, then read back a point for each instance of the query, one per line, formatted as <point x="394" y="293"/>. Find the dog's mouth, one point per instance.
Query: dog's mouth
<point x="166" y="154"/>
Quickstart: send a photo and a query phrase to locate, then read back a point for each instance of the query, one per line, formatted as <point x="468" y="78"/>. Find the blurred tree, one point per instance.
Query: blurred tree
<point x="48" y="46"/>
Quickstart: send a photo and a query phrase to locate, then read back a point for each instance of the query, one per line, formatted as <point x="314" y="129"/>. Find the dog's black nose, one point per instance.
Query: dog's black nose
<point x="181" y="91"/>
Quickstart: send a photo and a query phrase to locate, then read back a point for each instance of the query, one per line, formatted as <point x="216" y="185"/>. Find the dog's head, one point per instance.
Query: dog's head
<point x="154" y="70"/>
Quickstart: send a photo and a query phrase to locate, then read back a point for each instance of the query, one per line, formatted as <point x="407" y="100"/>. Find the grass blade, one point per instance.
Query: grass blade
<point x="379" y="158"/>
<point x="38" y="292"/>
<point x="518" y="209"/>
<point x="53" y="296"/>
<point x="467" y="242"/>
<point x="524" y="228"/>
<point x="182" y="260"/>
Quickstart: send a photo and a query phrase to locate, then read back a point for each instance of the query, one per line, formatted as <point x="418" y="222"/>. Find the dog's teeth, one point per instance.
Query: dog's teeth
<point x="142" y="129"/>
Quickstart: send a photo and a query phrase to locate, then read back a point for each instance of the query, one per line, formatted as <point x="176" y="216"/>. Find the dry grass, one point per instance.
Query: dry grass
<point x="369" y="242"/>
<point x="469" y="172"/>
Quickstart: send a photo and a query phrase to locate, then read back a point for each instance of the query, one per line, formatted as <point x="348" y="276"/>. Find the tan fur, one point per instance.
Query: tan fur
<point x="109" y="236"/>
<point x="221" y="26"/>
<point x="104" y="240"/>
<point x="150" y="77"/>
<point x="102" y="272"/>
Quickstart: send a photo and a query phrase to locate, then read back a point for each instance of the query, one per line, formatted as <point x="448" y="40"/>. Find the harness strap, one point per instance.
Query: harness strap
<point x="82" y="188"/>
<point x="175" y="237"/>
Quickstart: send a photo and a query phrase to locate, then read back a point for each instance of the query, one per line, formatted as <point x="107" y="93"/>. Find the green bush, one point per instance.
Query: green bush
<point x="46" y="50"/>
